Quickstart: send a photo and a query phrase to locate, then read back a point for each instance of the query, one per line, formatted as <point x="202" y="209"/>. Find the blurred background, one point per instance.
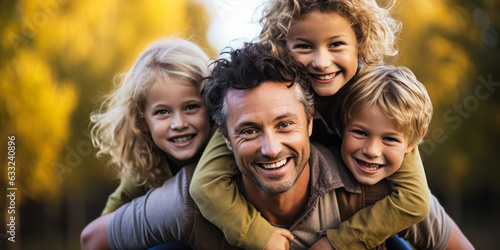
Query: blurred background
<point x="58" y="57"/>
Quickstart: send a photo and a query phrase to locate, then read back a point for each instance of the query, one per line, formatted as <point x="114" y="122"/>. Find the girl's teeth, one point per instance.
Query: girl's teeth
<point x="275" y="165"/>
<point x="182" y="139"/>
<point x="326" y="77"/>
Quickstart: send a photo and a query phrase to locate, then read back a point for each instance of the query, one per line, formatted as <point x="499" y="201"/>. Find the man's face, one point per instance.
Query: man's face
<point x="268" y="133"/>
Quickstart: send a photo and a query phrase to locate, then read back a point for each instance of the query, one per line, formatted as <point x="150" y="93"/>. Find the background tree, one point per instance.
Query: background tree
<point x="453" y="48"/>
<point x="58" y="58"/>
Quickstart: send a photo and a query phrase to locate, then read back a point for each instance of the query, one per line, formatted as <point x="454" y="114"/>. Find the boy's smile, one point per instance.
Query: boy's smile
<point x="373" y="146"/>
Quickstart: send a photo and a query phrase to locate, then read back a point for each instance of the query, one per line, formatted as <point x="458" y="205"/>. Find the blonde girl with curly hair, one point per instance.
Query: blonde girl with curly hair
<point x="155" y="121"/>
<point x="333" y="39"/>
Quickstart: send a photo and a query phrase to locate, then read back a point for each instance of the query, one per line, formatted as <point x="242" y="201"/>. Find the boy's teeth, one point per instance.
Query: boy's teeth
<point x="275" y="165"/>
<point x="182" y="139"/>
<point x="368" y="166"/>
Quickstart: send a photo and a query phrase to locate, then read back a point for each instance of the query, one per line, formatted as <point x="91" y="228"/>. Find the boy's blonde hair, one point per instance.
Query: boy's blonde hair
<point x="118" y="128"/>
<point x="376" y="31"/>
<point x="396" y="91"/>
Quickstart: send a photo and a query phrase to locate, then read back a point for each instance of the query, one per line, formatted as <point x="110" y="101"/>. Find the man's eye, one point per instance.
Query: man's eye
<point x="249" y="132"/>
<point x="284" y="124"/>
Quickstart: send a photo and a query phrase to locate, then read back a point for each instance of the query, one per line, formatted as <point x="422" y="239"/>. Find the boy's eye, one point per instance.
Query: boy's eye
<point x="358" y="132"/>
<point x="391" y="139"/>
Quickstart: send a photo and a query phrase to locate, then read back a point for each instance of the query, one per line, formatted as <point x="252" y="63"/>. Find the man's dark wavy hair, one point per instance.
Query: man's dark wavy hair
<point x="247" y="68"/>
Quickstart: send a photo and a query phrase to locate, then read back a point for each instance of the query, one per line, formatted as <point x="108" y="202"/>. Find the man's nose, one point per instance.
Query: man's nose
<point x="271" y="145"/>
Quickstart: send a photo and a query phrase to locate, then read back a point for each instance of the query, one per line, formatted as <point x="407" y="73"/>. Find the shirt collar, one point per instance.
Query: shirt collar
<point x="328" y="171"/>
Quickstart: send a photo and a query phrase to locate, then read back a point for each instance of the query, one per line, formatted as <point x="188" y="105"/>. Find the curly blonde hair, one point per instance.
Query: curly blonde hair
<point x="398" y="94"/>
<point x="118" y="126"/>
<point x="376" y="31"/>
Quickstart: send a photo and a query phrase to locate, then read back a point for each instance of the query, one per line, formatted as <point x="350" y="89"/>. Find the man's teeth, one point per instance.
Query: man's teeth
<point x="326" y="77"/>
<point x="182" y="139"/>
<point x="368" y="166"/>
<point x="275" y="165"/>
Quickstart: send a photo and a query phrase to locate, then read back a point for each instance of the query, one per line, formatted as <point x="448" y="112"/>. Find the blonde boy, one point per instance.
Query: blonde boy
<point x="384" y="115"/>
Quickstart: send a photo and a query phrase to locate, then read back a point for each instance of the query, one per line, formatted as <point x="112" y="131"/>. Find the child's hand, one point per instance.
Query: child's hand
<point x="279" y="239"/>
<point x="324" y="243"/>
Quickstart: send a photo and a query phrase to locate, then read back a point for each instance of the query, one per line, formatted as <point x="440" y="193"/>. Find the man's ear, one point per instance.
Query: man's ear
<point x="310" y="124"/>
<point x="228" y="142"/>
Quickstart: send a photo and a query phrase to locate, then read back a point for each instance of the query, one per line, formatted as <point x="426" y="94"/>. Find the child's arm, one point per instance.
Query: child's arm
<point x="220" y="202"/>
<point x="408" y="204"/>
<point x="126" y="192"/>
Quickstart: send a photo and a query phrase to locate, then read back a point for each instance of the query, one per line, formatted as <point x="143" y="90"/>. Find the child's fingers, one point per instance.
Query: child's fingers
<point x="285" y="233"/>
<point x="279" y="240"/>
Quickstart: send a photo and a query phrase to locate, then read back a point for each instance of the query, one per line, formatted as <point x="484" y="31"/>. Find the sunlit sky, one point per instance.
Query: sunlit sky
<point x="232" y="22"/>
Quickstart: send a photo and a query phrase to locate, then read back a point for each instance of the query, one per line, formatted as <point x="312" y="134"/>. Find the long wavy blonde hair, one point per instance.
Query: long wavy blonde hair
<point x="118" y="125"/>
<point x="375" y="29"/>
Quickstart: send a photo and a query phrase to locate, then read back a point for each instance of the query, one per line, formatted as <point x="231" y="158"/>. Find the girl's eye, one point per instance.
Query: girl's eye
<point x="336" y="44"/>
<point x="302" y="46"/>
<point x="162" y="112"/>
<point x="192" y="107"/>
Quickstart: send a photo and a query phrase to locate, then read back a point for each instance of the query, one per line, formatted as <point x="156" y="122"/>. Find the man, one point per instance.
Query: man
<point x="265" y="113"/>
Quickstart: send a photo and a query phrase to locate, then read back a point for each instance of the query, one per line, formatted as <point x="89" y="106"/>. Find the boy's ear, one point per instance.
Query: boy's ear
<point x="423" y="133"/>
<point x="414" y="145"/>
<point x="411" y="147"/>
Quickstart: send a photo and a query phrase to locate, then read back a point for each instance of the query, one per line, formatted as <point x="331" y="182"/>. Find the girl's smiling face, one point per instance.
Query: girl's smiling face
<point x="327" y="46"/>
<point x="177" y="119"/>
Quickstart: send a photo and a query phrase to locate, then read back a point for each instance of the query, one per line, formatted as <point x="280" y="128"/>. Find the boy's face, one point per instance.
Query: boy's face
<point x="326" y="44"/>
<point x="373" y="146"/>
<point x="178" y="120"/>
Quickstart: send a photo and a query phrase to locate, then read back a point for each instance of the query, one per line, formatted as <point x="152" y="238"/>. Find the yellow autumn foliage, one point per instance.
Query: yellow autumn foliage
<point x="54" y="53"/>
<point x="38" y="112"/>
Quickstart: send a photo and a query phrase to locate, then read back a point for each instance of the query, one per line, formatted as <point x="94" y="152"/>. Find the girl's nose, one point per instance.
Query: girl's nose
<point x="178" y="122"/>
<point x="322" y="60"/>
